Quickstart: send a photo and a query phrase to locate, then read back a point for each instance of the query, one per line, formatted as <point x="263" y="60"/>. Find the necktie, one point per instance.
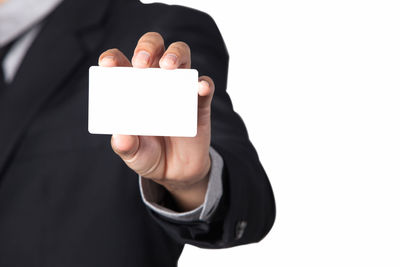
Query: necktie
<point x="3" y="53"/>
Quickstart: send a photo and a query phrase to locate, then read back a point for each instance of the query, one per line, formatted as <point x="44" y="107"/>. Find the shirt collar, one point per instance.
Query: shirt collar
<point x="18" y="16"/>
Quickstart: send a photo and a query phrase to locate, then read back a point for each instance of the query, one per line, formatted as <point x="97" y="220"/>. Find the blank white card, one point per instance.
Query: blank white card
<point x="132" y="101"/>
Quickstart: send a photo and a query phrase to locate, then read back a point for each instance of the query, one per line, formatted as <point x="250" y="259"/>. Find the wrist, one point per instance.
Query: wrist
<point x="190" y="195"/>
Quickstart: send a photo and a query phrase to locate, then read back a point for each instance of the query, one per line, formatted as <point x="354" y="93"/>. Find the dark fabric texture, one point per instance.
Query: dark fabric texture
<point x="65" y="198"/>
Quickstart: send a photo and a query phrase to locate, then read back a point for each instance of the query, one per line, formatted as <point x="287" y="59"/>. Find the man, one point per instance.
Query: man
<point x="65" y="198"/>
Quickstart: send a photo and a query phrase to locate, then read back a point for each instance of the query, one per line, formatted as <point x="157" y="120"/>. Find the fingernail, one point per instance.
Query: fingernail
<point x="204" y="84"/>
<point x="142" y="58"/>
<point x="107" y="60"/>
<point x="170" y="59"/>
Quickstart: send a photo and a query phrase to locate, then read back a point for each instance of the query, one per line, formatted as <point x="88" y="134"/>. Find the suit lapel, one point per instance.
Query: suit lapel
<point x="56" y="52"/>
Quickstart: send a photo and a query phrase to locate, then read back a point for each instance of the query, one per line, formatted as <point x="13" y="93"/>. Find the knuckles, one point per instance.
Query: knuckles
<point x="181" y="46"/>
<point x="153" y="43"/>
<point x="152" y="36"/>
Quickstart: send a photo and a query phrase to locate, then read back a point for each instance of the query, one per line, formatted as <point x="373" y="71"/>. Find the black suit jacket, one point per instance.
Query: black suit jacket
<point x="65" y="198"/>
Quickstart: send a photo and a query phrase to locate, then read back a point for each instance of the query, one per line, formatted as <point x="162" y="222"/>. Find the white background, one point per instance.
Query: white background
<point x="318" y="85"/>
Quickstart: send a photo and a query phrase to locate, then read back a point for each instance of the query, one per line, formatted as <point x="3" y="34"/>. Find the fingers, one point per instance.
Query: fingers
<point x="148" y="51"/>
<point x="113" y="58"/>
<point x="206" y="92"/>
<point x="176" y="56"/>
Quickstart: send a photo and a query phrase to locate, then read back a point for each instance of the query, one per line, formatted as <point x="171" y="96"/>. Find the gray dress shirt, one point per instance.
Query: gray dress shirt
<point x="22" y="18"/>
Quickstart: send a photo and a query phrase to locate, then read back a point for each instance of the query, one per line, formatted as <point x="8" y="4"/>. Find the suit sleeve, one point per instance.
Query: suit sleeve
<point x="246" y="211"/>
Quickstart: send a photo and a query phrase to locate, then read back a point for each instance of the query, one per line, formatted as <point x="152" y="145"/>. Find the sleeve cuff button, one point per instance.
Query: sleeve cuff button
<point x="240" y="228"/>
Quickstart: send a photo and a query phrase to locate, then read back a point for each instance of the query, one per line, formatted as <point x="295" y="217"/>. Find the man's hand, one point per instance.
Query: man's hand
<point x="180" y="164"/>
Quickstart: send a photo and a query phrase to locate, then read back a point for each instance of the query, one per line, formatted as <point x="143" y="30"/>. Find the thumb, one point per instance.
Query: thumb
<point x="125" y="146"/>
<point x="143" y="154"/>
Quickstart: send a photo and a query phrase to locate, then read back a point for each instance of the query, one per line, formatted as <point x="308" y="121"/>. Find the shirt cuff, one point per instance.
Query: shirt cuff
<point x="153" y="194"/>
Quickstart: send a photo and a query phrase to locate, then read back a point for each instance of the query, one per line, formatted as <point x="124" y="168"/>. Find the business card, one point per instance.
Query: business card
<point x="133" y="101"/>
